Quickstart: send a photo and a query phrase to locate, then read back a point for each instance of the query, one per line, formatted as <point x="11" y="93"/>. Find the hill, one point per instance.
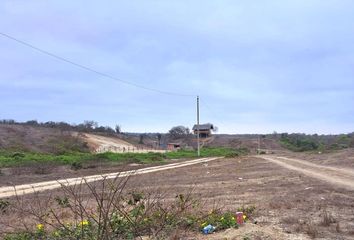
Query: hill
<point x="40" y="139"/>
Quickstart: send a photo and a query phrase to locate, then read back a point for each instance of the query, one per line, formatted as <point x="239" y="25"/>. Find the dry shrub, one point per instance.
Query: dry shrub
<point x="105" y="210"/>
<point x="327" y="219"/>
<point x="298" y="228"/>
<point x="307" y="226"/>
<point x="311" y="229"/>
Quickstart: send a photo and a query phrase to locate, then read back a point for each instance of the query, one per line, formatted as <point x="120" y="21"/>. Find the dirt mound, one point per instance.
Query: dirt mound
<point x="98" y="143"/>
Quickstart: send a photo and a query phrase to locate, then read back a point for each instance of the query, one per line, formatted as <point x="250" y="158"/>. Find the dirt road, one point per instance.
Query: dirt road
<point x="337" y="176"/>
<point x="289" y="204"/>
<point x="48" y="185"/>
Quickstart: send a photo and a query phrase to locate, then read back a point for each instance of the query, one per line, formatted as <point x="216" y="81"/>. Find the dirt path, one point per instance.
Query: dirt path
<point x="48" y="185"/>
<point x="337" y="176"/>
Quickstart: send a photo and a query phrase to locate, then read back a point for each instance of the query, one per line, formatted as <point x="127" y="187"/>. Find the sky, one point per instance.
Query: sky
<point x="258" y="66"/>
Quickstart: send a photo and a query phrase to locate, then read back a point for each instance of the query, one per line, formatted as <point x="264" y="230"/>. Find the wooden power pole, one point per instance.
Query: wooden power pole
<point x="198" y="126"/>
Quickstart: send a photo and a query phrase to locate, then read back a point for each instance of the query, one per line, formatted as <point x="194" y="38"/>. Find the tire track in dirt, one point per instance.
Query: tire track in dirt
<point x="49" y="185"/>
<point x="336" y="176"/>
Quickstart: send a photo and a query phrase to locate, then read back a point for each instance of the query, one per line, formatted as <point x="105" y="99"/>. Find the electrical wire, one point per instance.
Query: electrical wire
<point x="91" y="69"/>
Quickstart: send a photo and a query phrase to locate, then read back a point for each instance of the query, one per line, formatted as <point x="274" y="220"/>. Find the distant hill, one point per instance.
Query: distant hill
<point x="61" y="137"/>
<point x="250" y="141"/>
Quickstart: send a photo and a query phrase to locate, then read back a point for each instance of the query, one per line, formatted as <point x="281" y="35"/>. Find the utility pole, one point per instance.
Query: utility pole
<point x="198" y="126"/>
<point x="259" y="144"/>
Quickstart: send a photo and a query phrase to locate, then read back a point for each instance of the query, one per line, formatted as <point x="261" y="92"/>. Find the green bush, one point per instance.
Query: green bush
<point x="18" y="155"/>
<point x="19" y="236"/>
<point x="299" y="143"/>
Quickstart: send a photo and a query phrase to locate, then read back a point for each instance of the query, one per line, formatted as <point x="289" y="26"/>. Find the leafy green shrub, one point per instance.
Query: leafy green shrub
<point x="219" y="220"/>
<point x="299" y="143"/>
<point x="18" y="155"/>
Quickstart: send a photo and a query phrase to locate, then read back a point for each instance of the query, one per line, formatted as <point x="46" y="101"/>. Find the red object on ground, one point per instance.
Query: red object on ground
<point x="239" y="218"/>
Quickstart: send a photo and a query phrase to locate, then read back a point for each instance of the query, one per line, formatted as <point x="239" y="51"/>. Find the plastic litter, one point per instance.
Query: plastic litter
<point x="239" y="218"/>
<point x="209" y="229"/>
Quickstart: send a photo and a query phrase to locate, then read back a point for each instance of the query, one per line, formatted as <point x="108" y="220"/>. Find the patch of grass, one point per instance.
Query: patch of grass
<point x="77" y="159"/>
<point x="131" y="157"/>
<point x="19" y="236"/>
<point x="208" y="152"/>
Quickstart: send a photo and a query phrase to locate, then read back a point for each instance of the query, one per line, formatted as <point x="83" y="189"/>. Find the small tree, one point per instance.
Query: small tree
<point x="159" y="136"/>
<point x="179" y="132"/>
<point x="118" y="129"/>
<point x="141" y="138"/>
<point x="32" y="123"/>
<point x="90" y="125"/>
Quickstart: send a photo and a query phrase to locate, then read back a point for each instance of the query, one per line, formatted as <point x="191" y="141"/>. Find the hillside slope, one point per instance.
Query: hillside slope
<point x="39" y="139"/>
<point x="24" y="138"/>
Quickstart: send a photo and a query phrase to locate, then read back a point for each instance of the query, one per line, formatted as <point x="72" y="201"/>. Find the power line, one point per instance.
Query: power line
<point x="91" y="69"/>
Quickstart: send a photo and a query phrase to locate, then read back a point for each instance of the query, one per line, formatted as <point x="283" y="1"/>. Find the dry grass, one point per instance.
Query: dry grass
<point x="327" y="219"/>
<point x="311" y="229"/>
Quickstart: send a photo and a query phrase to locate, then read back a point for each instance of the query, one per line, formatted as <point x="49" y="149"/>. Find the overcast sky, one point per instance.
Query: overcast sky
<point x="258" y="66"/>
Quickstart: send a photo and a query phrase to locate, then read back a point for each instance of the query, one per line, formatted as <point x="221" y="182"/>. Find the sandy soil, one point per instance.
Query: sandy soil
<point x="343" y="158"/>
<point x="337" y="176"/>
